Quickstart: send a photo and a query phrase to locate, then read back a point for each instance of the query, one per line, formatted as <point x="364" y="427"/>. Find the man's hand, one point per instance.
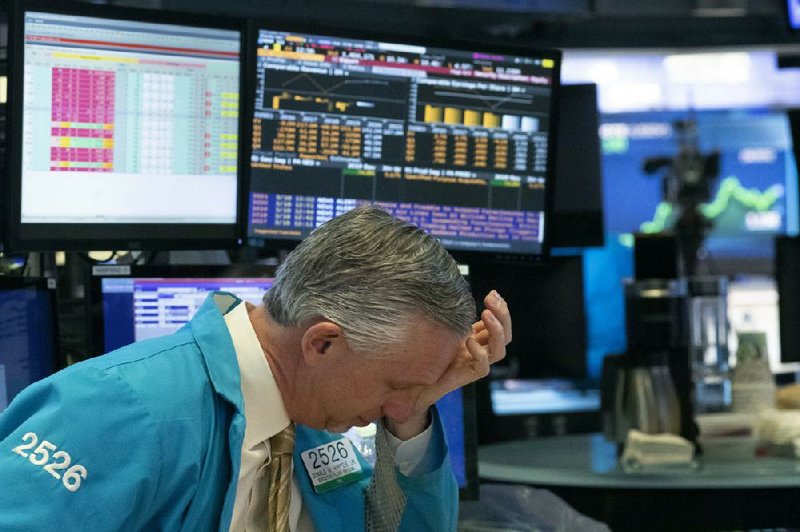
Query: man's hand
<point x="485" y="346"/>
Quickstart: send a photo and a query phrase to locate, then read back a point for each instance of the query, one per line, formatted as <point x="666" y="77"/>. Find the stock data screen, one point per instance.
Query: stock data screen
<point x="453" y="141"/>
<point x="128" y="122"/>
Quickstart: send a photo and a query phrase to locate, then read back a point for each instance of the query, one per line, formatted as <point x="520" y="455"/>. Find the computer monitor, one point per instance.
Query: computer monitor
<point x="456" y="139"/>
<point x="132" y="303"/>
<point x="124" y="128"/>
<point x="753" y="200"/>
<point x="548" y="307"/>
<point x="577" y="213"/>
<point x="28" y="334"/>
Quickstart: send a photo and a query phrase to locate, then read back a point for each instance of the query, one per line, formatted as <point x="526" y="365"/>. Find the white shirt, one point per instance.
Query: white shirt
<point x="265" y="416"/>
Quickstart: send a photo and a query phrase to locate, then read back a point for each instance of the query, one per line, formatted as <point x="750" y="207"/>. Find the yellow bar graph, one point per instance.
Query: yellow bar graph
<point x="432" y="114"/>
<point x="452" y="115"/>
<point x="491" y="120"/>
<point x="472" y="118"/>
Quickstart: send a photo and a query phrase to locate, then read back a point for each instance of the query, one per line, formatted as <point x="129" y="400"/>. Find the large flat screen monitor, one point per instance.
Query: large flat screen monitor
<point x="457" y="141"/>
<point x="132" y="303"/>
<point x="753" y="200"/>
<point x="28" y="334"/>
<point x="124" y="128"/>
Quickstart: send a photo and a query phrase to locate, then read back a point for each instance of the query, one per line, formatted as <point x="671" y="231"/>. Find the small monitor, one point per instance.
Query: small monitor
<point x="28" y="334"/>
<point x="132" y="303"/>
<point x="549" y="309"/>
<point x="511" y="397"/>
<point x="458" y="140"/>
<point x="124" y="128"/>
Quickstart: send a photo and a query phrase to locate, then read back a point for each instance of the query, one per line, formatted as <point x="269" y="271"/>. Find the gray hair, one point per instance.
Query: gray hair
<point x="370" y="273"/>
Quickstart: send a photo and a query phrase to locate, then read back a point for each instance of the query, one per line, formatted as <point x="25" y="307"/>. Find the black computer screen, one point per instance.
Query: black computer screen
<point x="124" y="128"/>
<point x="28" y="334"/>
<point x="456" y="141"/>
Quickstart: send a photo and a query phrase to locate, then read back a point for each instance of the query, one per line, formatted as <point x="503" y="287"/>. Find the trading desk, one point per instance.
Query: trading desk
<point x="761" y="492"/>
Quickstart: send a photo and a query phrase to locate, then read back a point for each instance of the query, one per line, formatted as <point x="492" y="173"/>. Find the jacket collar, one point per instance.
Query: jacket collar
<point x="211" y="334"/>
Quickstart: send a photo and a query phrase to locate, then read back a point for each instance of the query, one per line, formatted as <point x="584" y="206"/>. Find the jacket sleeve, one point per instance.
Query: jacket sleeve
<point x="77" y="453"/>
<point x="431" y="498"/>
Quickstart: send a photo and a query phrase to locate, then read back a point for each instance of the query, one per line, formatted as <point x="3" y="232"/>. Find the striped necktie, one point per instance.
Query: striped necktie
<point x="280" y="474"/>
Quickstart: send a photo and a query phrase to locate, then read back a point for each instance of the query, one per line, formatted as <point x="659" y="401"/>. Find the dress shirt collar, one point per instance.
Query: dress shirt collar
<point x="264" y="409"/>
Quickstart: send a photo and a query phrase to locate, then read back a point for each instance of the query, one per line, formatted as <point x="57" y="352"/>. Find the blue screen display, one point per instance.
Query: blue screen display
<point x="753" y="199"/>
<point x="27" y="340"/>
<point x="794" y="13"/>
<point x="451" y="410"/>
<point x="139" y="308"/>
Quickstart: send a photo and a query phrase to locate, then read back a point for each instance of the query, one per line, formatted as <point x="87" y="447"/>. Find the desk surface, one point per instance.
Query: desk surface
<point x="589" y="461"/>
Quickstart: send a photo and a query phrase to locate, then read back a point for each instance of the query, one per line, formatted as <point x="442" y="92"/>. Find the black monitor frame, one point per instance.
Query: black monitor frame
<point x="304" y="27"/>
<point x="94" y="301"/>
<point x="123" y="236"/>
<point x="44" y="285"/>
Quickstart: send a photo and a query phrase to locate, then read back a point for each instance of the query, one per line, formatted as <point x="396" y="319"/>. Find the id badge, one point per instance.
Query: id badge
<point x="332" y="465"/>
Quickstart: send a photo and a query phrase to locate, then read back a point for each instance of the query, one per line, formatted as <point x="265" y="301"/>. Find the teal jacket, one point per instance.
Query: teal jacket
<point x="149" y="437"/>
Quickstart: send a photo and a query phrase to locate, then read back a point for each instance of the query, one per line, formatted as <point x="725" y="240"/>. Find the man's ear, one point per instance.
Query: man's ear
<point x="321" y="340"/>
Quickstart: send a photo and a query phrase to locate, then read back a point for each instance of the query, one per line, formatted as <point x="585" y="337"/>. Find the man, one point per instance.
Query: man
<point x="368" y="320"/>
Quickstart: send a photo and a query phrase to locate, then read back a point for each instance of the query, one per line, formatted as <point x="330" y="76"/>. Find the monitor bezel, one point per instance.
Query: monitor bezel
<point x="45" y="285"/>
<point x="461" y="255"/>
<point x="122" y="236"/>
<point x="94" y="297"/>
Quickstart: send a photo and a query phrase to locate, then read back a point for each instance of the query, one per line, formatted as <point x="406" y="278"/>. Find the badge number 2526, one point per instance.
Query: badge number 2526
<point x="332" y="465"/>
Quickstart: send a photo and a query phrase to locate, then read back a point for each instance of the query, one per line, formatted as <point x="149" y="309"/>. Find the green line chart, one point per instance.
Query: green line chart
<point x="729" y="205"/>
